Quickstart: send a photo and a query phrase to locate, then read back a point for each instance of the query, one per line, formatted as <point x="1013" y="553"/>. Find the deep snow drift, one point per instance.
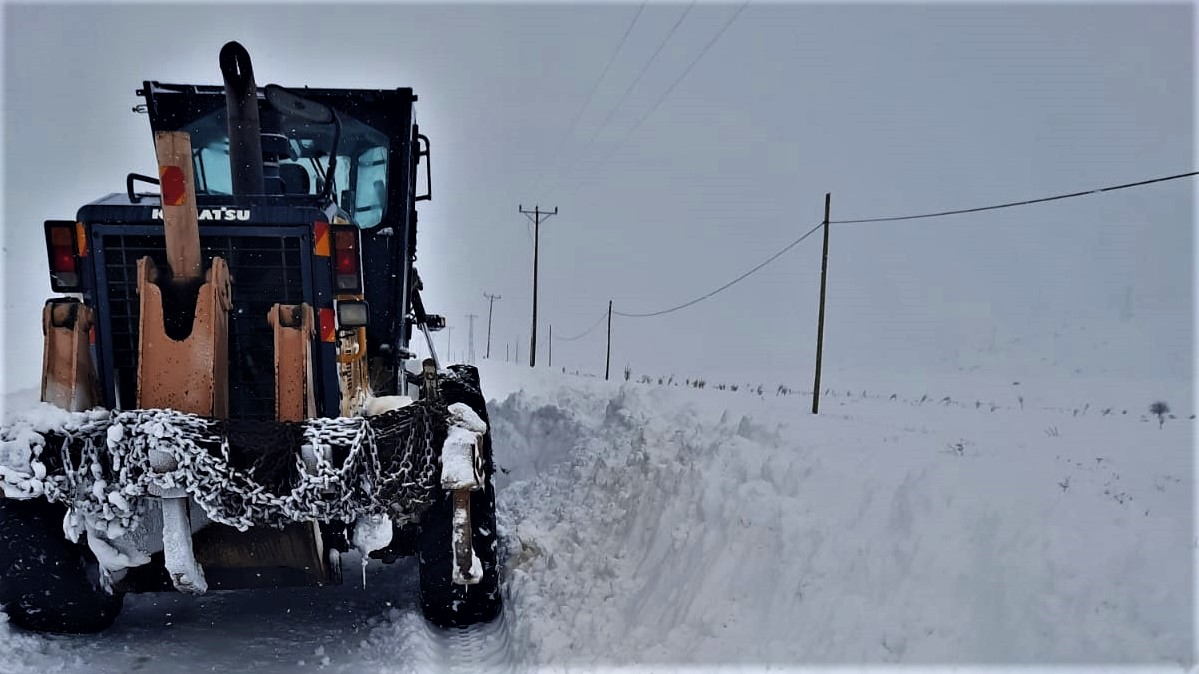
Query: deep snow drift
<point x="713" y="526"/>
<point x="665" y="527"/>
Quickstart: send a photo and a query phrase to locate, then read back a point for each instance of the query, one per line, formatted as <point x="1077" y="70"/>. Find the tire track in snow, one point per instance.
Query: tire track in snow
<point x="468" y="650"/>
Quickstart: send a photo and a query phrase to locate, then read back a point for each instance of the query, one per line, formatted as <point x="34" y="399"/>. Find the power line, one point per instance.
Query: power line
<point x="586" y="332"/>
<point x="591" y="96"/>
<point x="791" y="245"/>
<point x="663" y="97"/>
<point x="627" y="91"/>
<point x="1010" y="204"/>
<point x="728" y="285"/>
<point x="644" y="69"/>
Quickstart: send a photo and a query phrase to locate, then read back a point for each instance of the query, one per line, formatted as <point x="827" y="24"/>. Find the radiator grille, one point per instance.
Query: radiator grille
<point x="265" y="270"/>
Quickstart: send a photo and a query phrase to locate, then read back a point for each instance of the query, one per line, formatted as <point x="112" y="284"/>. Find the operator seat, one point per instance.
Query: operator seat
<point x="295" y="179"/>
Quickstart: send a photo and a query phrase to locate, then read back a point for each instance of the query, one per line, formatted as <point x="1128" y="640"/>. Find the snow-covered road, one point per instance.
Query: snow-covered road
<point x="664" y="527"/>
<point x="337" y="629"/>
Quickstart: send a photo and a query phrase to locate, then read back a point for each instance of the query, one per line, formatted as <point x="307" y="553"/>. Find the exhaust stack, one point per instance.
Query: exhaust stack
<point x="245" y="130"/>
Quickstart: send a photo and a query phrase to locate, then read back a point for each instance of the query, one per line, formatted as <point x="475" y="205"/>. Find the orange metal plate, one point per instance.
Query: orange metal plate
<point x="320" y="239"/>
<point x="328" y="325"/>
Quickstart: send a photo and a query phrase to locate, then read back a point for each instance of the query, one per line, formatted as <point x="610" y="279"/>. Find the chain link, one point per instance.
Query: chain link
<point x="101" y="467"/>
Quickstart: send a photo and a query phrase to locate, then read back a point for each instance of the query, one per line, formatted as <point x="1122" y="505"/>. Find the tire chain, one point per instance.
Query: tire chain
<point x="391" y="466"/>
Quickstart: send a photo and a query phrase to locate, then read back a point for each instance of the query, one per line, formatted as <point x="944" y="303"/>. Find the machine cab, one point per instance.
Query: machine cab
<point x="320" y="210"/>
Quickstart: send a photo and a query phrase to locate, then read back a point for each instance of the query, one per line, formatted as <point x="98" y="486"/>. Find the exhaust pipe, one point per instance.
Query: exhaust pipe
<point x="245" y="130"/>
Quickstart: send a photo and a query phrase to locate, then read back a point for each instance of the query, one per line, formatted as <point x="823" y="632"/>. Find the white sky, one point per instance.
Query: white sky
<point x="893" y="109"/>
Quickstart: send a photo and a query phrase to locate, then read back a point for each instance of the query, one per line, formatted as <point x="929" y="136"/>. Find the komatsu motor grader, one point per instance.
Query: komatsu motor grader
<point x="230" y="353"/>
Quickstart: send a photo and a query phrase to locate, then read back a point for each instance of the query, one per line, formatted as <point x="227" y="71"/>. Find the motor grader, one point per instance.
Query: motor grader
<point x="235" y="403"/>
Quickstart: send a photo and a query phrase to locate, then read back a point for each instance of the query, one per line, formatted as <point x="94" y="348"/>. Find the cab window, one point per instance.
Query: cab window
<point x="359" y="180"/>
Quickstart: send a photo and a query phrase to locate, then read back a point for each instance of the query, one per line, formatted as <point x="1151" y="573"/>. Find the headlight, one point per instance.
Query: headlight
<point x="352" y="314"/>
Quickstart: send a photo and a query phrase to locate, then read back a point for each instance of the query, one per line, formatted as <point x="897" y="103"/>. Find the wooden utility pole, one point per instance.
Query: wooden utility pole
<point x="608" y="358"/>
<point x="820" y="322"/>
<point x="550" y="344"/>
<point x="537" y="216"/>
<point x="470" y="348"/>
<point x="490" y="305"/>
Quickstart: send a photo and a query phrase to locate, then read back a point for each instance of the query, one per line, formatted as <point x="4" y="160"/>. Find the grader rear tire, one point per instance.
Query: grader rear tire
<point x="47" y="583"/>
<point x="443" y="603"/>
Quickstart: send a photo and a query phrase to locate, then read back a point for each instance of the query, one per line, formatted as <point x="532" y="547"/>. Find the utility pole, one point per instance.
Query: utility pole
<point x="470" y="342"/>
<point x="550" y="344"/>
<point x="507" y="351"/>
<point x="608" y="358"/>
<point x="820" y="322"/>
<point x="490" y="305"/>
<point x="537" y="216"/>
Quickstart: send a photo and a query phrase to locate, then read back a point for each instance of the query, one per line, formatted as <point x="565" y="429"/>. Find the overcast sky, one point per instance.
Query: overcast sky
<point x="893" y="109"/>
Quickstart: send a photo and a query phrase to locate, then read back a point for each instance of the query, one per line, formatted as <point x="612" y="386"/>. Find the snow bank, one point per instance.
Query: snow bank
<point x="652" y="525"/>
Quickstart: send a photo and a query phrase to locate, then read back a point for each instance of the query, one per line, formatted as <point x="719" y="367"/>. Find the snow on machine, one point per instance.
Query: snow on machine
<point x="231" y="401"/>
